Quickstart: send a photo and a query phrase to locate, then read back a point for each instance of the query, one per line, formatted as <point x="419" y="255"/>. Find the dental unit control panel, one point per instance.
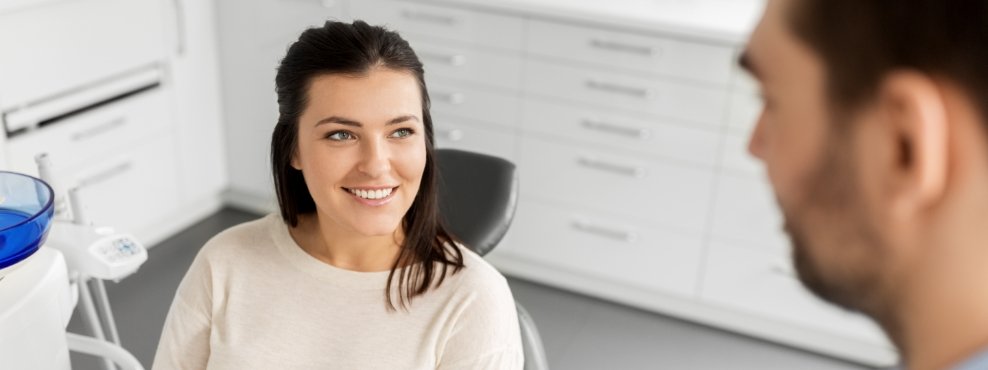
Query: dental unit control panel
<point x="107" y="255"/>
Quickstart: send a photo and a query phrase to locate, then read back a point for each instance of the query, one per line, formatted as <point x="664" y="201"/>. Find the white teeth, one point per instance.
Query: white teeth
<point x="372" y="194"/>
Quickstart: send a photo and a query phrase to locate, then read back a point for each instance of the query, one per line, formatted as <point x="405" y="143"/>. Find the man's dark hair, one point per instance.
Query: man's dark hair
<point x="861" y="41"/>
<point x="428" y="250"/>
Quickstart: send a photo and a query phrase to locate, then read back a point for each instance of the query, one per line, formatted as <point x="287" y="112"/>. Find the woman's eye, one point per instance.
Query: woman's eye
<point x="402" y="132"/>
<point x="340" y="136"/>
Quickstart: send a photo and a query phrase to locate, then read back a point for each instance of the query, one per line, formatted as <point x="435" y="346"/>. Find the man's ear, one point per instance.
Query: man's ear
<point x="913" y="108"/>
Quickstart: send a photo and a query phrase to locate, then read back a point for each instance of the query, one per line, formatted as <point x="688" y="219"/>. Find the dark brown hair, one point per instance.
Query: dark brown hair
<point x="428" y="251"/>
<point x="861" y="41"/>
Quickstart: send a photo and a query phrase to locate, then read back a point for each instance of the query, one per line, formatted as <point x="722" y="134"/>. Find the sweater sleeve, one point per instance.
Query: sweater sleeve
<point x="184" y="342"/>
<point x="486" y="335"/>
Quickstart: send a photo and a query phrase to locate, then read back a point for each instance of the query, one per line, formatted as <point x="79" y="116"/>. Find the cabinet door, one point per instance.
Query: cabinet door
<point x="666" y="138"/>
<point x="688" y="102"/>
<point x="56" y="46"/>
<point x="132" y="189"/>
<point x="196" y="100"/>
<point x="665" y="193"/>
<point x="764" y="284"/>
<point x="85" y="137"/>
<point x="623" y="250"/>
<point x="655" y="55"/>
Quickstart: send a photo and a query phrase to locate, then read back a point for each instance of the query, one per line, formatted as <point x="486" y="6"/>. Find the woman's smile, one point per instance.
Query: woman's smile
<point x="373" y="196"/>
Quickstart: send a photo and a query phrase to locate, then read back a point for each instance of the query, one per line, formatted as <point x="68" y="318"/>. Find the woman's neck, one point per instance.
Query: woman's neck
<point x="344" y="248"/>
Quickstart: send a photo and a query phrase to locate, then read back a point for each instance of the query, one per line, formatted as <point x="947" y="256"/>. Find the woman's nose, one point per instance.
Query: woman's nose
<point x="375" y="159"/>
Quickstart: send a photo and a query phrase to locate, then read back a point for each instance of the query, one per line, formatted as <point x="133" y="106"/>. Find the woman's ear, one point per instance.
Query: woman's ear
<point x="914" y="110"/>
<point x="295" y="162"/>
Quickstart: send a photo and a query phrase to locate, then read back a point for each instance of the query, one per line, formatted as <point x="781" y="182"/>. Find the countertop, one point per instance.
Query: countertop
<point x="721" y="21"/>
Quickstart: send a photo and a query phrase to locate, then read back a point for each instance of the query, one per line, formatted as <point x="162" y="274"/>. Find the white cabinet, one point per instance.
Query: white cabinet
<point x="627" y="92"/>
<point x="123" y="96"/>
<point x="196" y="101"/>
<point x="120" y="156"/>
<point x="627" y="251"/>
<point x="668" y="194"/>
<point x="253" y="36"/>
<point x="443" y="23"/>
<point x="638" y="52"/>
<point x="46" y="51"/>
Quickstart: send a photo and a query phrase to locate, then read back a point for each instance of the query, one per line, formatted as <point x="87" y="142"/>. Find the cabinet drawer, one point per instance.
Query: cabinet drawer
<point x="443" y="23"/>
<point x="622" y="132"/>
<point x="673" y="195"/>
<point x="468" y="64"/>
<point x="99" y="131"/>
<point x="499" y="108"/>
<point x="457" y="133"/>
<point x="623" y="250"/>
<point x="649" y="54"/>
<point x="745" y="211"/>
<point x="688" y="102"/>
<point x="765" y="285"/>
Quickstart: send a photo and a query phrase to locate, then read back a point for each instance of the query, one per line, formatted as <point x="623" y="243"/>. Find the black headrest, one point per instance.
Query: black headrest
<point x="477" y="196"/>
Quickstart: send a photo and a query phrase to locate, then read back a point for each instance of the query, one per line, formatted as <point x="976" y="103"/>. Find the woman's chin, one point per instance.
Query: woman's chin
<point x="376" y="229"/>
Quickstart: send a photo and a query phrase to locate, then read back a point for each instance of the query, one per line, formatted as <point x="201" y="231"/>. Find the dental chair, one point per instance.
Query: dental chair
<point x="477" y="197"/>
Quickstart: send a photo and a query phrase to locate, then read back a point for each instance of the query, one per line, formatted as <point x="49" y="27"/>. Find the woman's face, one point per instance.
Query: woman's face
<point x="361" y="149"/>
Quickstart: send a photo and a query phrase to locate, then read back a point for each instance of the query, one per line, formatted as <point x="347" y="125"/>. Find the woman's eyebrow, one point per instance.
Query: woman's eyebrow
<point x="340" y="120"/>
<point x="400" y="119"/>
<point x="355" y="123"/>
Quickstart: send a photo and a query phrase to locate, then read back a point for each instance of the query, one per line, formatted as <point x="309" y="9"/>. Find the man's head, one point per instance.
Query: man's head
<point x="873" y="137"/>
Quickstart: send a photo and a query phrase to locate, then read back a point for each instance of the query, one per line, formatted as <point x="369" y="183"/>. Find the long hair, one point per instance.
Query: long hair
<point x="428" y="252"/>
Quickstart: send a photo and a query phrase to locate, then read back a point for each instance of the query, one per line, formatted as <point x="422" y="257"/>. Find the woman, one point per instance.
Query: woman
<point x="356" y="272"/>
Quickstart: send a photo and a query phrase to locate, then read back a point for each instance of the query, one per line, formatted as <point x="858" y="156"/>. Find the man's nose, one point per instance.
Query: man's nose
<point x="756" y="143"/>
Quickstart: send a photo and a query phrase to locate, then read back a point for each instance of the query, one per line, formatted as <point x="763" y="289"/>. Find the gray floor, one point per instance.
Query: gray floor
<point x="579" y="332"/>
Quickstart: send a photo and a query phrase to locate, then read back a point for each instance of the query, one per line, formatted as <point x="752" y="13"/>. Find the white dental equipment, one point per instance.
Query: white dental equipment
<point x="39" y="296"/>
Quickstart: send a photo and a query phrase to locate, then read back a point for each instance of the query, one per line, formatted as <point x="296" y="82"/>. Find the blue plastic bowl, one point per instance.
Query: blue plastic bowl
<point x="26" y="210"/>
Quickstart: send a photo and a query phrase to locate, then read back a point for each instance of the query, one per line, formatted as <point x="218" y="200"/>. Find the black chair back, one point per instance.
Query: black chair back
<point x="478" y="194"/>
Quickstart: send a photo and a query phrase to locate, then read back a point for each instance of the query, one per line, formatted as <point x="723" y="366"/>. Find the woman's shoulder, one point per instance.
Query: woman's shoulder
<point x="237" y="238"/>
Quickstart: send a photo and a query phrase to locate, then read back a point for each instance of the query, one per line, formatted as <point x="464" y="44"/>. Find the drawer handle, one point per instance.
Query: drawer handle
<point x="428" y="17"/>
<point x="631" y="171"/>
<point x="455" y="98"/>
<point x="97" y="130"/>
<point x="105" y="174"/>
<point x="607" y="232"/>
<point x="455" y="60"/>
<point x="454" y="134"/>
<point x="612" y="128"/>
<point x="610" y="87"/>
<point x="623" y="47"/>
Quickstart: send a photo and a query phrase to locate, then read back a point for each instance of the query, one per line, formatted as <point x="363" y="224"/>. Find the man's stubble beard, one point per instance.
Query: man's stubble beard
<point x="836" y="253"/>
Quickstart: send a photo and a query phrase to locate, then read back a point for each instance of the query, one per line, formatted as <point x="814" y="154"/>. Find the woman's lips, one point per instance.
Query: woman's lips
<point x="381" y="195"/>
